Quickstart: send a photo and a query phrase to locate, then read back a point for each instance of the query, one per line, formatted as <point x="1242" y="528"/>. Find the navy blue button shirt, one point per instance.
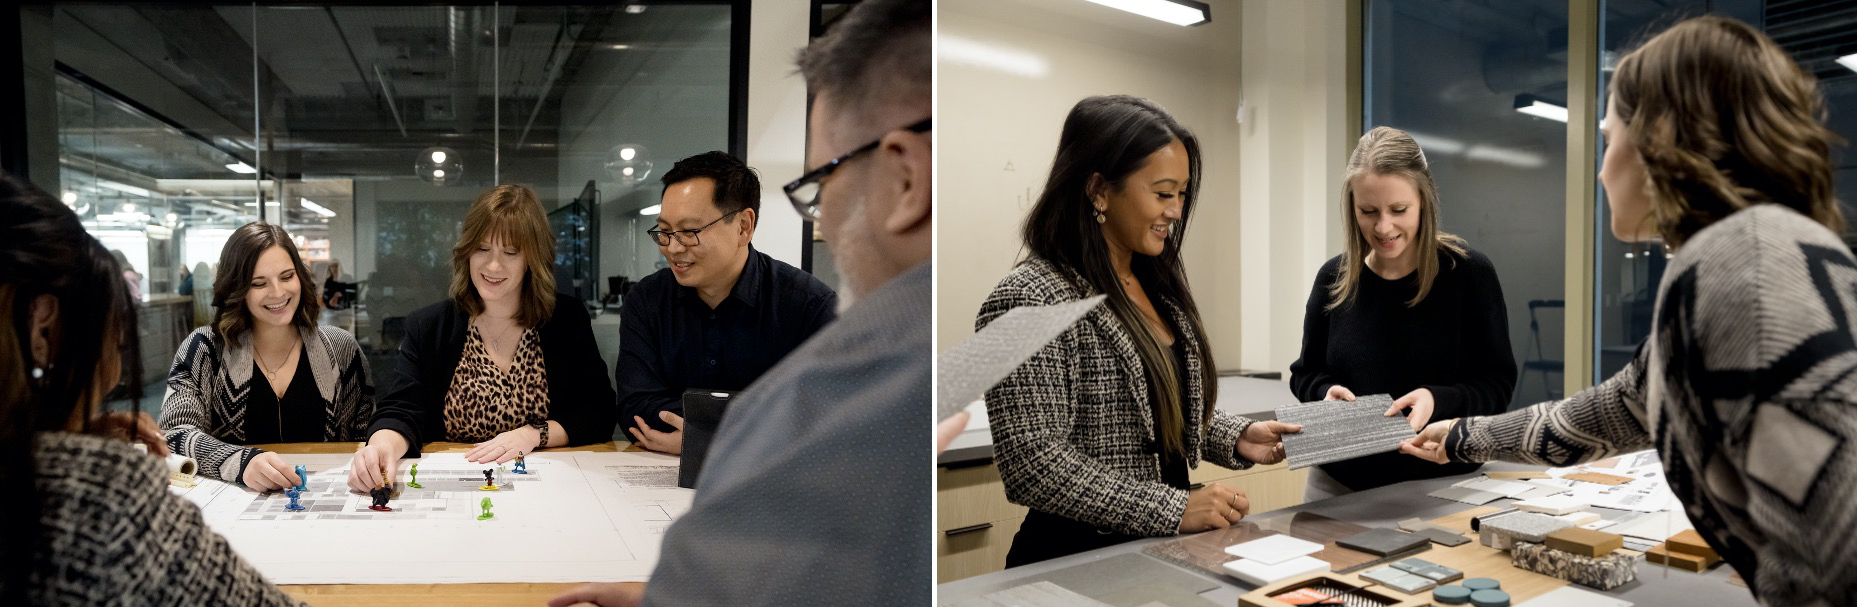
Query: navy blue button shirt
<point x="670" y="341"/>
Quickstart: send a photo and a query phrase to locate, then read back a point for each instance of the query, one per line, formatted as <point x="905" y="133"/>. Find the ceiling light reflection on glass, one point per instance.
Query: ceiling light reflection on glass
<point x="241" y="168"/>
<point x="628" y="163"/>
<point x="439" y="165"/>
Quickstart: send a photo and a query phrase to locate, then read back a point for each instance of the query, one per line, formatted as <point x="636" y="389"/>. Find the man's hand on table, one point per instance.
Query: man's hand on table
<point x="662" y="442"/>
<point x="603" y="595"/>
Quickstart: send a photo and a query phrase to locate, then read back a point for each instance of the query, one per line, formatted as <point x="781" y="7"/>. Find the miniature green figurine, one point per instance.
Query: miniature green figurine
<point x="486" y="514"/>
<point x="415" y="482"/>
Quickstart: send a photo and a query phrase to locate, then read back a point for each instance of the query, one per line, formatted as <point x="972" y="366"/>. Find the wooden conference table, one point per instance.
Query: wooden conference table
<point x="395" y="595"/>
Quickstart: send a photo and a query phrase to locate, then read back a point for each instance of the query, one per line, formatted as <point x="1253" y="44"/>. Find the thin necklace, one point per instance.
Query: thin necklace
<point x="496" y="343"/>
<point x="270" y="373"/>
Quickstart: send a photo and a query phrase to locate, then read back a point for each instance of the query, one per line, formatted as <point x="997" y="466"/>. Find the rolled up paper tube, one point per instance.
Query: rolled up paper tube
<point x="181" y="467"/>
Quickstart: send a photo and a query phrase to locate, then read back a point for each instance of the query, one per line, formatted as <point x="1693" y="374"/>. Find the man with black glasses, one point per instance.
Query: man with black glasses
<point x="823" y="496"/>
<point x="721" y="314"/>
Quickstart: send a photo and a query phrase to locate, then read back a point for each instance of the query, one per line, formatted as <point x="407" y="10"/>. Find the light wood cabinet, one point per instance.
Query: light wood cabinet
<point x="974" y="523"/>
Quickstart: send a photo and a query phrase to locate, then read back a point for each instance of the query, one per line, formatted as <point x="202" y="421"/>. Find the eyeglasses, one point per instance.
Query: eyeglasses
<point x="804" y="192"/>
<point x="687" y="237"/>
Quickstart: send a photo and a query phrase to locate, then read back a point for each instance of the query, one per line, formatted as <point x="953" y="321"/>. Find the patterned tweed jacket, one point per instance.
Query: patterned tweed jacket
<point x="111" y="534"/>
<point x="1073" y="432"/>
<point x="203" y="414"/>
<point x="1747" y="388"/>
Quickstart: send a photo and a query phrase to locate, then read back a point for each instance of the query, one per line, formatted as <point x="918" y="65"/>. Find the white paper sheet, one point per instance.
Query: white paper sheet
<point x="576" y="517"/>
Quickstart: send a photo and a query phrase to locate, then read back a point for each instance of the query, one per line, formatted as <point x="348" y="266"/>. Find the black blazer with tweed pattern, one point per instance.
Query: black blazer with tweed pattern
<point x="1073" y="431"/>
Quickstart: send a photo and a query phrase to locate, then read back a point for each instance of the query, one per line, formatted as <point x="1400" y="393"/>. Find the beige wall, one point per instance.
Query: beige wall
<point x="1299" y="128"/>
<point x="998" y="128"/>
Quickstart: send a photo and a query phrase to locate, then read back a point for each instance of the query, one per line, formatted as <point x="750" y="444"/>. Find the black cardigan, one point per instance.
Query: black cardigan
<point x="579" y="396"/>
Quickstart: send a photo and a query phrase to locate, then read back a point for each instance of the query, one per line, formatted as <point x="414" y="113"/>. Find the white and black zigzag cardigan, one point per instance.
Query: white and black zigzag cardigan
<point x="203" y="414"/>
<point x="1747" y="388"/>
<point x="111" y="534"/>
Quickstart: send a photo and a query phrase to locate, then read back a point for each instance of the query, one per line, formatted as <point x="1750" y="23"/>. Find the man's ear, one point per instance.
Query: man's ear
<point x="746" y="222"/>
<point x="44" y="322"/>
<point x="909" y="177"/>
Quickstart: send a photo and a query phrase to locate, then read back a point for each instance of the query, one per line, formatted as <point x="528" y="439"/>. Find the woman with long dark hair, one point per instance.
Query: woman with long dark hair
<point x="90" y="520"/>
<point x="1716" y="144"/>
<point x="1096" y="432"/>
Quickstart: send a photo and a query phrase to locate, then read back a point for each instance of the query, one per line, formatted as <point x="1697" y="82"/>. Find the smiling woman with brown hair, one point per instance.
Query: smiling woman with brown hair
<point x="264" y="371"/>
<point x="1716" y="142"/>
<point x="506" y="362"/>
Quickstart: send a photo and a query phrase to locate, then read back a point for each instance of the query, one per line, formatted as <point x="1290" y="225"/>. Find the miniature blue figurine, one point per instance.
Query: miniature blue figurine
<point x="293" y="494"/>
<point x="522" y="467"/>
<point x="302" y="478"/>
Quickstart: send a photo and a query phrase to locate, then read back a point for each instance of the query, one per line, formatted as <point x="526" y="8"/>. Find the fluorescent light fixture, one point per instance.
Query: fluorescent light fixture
<point x="1535" y="106"/>
<point x="70" y="197"/>
<point x="651" y="210"/>
<point x="634" y="9"/>
<point x="1433" y="144"/>
<point x="1849" y="61"/>
<point x="1177" y="12"/>
<point x="126" y="189"/>
<point x="241" y="168"/>
<point x="319" y="209"/>
<point x="983" y="55"/>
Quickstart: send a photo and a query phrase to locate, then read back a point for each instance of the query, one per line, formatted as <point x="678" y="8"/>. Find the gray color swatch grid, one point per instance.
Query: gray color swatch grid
<point x="1334" y="430"/>
<point x="965" y="372"/>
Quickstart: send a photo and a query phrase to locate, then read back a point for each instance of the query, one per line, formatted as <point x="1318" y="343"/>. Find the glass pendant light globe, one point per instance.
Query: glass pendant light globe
<point x="439" y="165"/>
<point x="627" y="163"/>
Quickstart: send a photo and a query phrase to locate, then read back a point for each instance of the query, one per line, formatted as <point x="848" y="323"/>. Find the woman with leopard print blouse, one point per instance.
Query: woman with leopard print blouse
<point x="506" y="363"/>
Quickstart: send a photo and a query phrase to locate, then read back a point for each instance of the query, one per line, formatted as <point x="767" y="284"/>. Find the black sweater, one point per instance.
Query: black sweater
<point x="1455" y="343"/>
<point x="579" y="396"/>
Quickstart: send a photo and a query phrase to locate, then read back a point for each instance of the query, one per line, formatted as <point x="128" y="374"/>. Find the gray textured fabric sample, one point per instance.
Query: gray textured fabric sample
<point x="966" y="371"/>
<point x="1334" y="430"/>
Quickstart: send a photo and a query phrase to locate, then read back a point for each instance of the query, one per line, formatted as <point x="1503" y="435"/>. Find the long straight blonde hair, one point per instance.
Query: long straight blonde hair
<point x="1390" y="151"/>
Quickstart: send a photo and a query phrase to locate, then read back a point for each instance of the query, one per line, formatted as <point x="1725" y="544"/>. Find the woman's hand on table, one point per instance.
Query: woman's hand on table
<point x="269" y="472"/>
<point x="1213" y="506"/>
<point x="1429" y="444"/>
<point x="506" y="446"/>
<point x="603" y="595"/>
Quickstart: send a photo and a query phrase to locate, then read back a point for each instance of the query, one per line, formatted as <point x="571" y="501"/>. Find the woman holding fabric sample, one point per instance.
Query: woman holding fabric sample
<point x="506" y="362"/>
<point x="89" y="520"/>
<point x="1716" y="143"/>
<point x="1096" y="432"/>
<point x="1406" y="309"/>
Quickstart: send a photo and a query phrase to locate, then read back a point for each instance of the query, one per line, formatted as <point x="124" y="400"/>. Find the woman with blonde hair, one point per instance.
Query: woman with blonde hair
<point x="506" y="362"/>
<point x="1406" y="310"/>
<point x="1716" y="143"/>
